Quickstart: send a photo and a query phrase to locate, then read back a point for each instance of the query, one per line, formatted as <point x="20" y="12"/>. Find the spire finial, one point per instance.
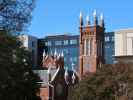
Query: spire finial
<point x="95" y="13"/>
<point x="58" y="56"/>
<point x="102" y="20"/>
<point x="81" y="18"/>
<point x="101" y="16"/>
<point x="62" y="54"/>
<point x="73" y="78"/>
<point x="95" y="17"/>
<point x="44" y="53"/>
<point x="88" y="20"/>
<point x="81" y="15"/>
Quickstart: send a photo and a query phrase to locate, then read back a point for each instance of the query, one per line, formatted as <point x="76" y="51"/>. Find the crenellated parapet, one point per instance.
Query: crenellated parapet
<point x="91" y="43"/>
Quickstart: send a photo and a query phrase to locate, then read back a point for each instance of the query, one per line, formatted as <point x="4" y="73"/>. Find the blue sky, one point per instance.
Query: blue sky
<point x="51" y="17"/>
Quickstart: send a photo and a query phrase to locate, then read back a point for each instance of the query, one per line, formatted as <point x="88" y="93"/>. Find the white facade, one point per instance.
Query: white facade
<point x="124" y="42"/>
<point x="30" y="43"/>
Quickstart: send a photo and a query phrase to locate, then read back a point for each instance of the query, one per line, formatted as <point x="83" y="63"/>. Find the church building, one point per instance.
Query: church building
<point x="56" y="79"/>
<point x="91" y="44"/>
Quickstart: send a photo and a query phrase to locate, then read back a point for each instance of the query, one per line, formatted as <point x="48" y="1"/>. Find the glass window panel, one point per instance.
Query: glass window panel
<point x="106" y="39"/>
<point x="73" y="41"/>
<point x="65" y="42"/>
<point x="58" y="42"/>
<point x="48" y="43"/>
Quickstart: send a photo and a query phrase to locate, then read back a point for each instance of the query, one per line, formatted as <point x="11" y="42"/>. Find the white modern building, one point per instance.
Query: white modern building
<point x="30" y="43"/>
<point x="124" y="45"/>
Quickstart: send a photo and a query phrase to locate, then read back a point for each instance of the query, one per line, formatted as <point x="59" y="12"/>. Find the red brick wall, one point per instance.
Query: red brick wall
<point x="96" y="34"/>
<point x="44" y="93"/>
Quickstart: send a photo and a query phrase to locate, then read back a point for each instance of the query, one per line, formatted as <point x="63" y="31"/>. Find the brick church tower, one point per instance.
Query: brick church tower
<point x="91" y="44"/>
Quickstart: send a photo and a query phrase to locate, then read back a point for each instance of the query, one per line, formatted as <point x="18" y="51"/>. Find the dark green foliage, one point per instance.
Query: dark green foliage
<point x="17" y="81"/>
<point x="111" y="82"/>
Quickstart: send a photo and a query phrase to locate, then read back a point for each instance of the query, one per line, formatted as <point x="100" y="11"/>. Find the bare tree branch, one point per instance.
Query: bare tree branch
<point x="15" y="15"/>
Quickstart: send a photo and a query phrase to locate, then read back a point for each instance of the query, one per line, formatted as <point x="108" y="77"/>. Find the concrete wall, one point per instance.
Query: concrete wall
<point x="124" y="42"/>
<point x="30" y="43"/>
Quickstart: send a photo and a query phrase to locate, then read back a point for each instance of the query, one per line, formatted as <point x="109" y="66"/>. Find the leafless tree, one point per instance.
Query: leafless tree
<point x="15" y="15"/>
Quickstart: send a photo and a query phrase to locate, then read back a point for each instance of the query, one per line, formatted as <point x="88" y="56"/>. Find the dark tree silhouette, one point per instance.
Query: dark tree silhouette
<point x="17" y="80"/>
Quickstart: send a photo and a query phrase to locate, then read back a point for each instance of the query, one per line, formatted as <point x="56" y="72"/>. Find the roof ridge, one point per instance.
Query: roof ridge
<point x="52" y="79"/>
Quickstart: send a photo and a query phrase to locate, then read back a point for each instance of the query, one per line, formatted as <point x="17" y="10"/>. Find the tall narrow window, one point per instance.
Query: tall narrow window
<point x="89" y="47"/>
<point x="98" y="48"/>
<point x="101" y="48"/>
<point x="87" y="43"/>
<point x="85" y="47"/>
